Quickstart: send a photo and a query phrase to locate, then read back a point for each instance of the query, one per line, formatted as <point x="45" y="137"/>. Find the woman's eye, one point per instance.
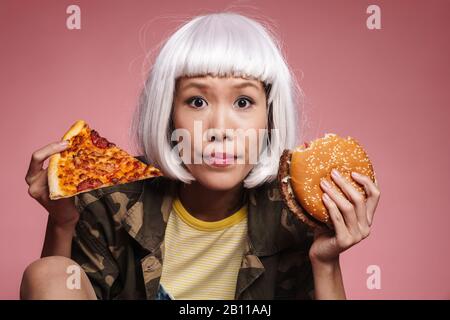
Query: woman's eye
<point x="244" y="103"/>
<point x="196" y="102"/>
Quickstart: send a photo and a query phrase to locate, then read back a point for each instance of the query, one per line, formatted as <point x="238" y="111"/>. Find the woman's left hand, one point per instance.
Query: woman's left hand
<point x="351" y="216"/>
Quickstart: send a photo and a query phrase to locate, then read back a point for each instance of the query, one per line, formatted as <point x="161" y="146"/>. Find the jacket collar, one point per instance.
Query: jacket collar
<point x="146" y="219"/>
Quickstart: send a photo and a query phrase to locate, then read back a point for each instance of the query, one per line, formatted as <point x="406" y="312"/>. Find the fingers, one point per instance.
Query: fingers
<point x="351" y="220"/>
<point x="346" y="207"/>
<point x="39" y="156"/>
<point x="336" y="217"/>
<point x="343" y="238"/>
<point x="36" y="177"/>
<point x="373" y="194"/>
<point x="38" y="189"/>
<point x="356" y="198"/>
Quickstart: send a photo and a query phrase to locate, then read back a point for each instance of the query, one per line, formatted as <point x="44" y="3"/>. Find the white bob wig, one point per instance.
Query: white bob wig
<point x="224" y="44"/>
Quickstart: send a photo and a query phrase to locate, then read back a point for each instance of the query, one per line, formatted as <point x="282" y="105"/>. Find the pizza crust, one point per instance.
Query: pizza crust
<point x="52" y="175"/>
<point x="74" y="130"/>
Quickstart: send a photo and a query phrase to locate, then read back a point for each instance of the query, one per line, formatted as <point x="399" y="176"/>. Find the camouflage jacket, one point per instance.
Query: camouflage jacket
<point x="119" y="242"/>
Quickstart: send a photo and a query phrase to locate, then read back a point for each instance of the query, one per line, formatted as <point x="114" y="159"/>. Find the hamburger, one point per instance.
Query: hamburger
<point x="302" y="169"/>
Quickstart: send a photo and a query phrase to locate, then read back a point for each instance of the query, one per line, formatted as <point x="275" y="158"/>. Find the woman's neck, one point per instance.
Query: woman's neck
<point x="210" y="205"/>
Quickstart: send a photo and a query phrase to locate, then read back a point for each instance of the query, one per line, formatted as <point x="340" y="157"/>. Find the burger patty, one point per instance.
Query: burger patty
<point x="288" y="195"/>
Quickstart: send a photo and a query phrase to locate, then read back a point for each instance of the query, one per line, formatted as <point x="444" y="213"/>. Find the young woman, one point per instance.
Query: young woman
<point x="214" y="229"/>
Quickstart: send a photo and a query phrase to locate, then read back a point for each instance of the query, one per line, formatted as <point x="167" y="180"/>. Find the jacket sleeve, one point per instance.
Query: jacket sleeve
<point x="92" y="243"/>
<point x="305" y="276"/>
<point x="296" y="268"/>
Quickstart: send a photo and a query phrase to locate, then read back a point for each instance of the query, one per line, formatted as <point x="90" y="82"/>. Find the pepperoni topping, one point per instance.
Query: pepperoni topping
<point x="99" y="141"/>
<point x="77" y="162"/>
<point x="89" y="183"/>
<point x="91" y="161"/>
<point x="109" y="167"/>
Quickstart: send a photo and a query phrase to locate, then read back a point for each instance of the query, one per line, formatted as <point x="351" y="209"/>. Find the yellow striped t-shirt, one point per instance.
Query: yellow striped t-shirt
<point x="202" y="259"/>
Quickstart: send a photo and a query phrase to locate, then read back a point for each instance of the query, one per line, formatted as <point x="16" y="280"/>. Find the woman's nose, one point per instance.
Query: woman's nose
<point x="219" y="125"/>
<point x="217" y="135"/>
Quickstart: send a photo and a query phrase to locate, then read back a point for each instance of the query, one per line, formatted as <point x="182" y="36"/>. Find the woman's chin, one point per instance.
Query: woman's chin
<point x="220" y="179"/>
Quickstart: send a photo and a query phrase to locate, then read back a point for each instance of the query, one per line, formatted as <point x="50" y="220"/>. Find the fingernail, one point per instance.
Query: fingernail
<point x="324" y="183"/>
<point x="356" y="175"/>
<point x="64" y="143"/>
<point x="335" y="173"/>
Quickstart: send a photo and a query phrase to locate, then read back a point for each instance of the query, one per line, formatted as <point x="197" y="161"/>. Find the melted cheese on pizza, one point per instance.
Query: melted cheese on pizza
<point x="91" y="161"/>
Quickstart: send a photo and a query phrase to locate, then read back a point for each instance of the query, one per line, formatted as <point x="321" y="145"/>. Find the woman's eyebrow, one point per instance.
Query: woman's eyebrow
<point x="246" y="84"/>
<point x="200" y="85"/>
<point x="195" y="85"/>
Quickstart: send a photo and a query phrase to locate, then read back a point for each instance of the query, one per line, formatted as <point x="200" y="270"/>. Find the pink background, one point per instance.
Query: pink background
<point x="388" y="88"/>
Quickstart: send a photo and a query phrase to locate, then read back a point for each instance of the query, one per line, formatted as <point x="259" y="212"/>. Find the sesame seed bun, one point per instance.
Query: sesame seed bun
<point x="302" y="169"/>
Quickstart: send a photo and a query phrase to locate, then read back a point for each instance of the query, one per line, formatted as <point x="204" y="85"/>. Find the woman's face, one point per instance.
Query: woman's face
<point x="211" y="109"/>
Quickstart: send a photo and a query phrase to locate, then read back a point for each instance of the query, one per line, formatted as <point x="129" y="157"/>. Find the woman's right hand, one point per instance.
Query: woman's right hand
<point x="62" y="212"/>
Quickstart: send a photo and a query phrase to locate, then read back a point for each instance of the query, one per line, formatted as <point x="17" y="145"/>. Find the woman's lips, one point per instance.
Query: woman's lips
<point x="220" y="159"/>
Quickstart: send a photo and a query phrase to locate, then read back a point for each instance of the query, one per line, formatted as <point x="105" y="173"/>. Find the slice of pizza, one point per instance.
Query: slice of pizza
<point x="92" y="162"/>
